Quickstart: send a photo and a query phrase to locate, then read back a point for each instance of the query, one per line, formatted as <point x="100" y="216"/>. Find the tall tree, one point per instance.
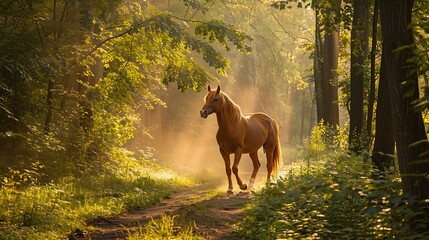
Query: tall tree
<point x="359" y="52"/>
<point x="326" y="53"/>
<point x="409" y="130"/>
<point x="330" y="67"/>
<point x="371" y="92"/>
<point x="384" y="143"/>
<point x="317" y="67"/>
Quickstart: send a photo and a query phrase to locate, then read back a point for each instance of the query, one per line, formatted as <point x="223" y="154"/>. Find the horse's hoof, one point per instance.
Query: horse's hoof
<point x="243" y="186"/>
<point x="229" y="192"/>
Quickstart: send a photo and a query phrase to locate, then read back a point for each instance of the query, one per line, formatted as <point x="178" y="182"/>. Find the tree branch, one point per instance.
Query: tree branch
<point x="113" y="37"/>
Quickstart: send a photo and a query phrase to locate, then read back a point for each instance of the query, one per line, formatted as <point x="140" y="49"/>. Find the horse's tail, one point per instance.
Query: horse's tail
<point x="277" y="155"/>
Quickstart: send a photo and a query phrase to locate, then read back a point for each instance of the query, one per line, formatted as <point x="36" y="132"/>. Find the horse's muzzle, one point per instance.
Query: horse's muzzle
<point x="205" y="113"/>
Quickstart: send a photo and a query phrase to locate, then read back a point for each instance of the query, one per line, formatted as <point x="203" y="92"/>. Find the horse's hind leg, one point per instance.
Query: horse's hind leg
<point x="270" y="162"/>
<point x="256" y="165"/>
<point x="269" y="147"/>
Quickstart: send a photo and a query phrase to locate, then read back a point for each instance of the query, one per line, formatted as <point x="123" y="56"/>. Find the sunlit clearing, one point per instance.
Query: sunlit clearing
<point x="170" y="176"/>
<point x="163" y="175"/>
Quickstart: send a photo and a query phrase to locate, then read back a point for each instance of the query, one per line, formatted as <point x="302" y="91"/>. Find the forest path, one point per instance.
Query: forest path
<point x="215" y="214"/>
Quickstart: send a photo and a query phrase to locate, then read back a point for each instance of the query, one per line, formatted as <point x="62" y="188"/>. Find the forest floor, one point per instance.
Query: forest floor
<point x="214" y="212"/>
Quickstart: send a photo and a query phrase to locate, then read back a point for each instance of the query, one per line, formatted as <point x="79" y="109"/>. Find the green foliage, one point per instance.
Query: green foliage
<point x="167" y="42"/>
<point x="195" y="4"/>
<point x="281" y="5"/>
<point x="420" y="60"/>
<point x="51" y="211"/>
<point x="323" y="139"/>
<point x="217" y="30"/>
<point x="186" y="77"/>
<point x="74" y="78"/>
<point x="165" y="228"/>
<point x="328" y="15"/>
<point x="333" y="198"/>
<point x="316" y="143"/>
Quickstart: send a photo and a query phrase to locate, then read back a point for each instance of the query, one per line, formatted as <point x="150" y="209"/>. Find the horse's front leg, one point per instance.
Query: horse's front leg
<point x="227" y="161"/>
<point x="237" y="157"/>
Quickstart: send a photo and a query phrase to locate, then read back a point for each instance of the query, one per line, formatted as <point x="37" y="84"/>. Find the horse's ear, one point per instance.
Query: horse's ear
<point x="218" y="89"/>
<point x="209" y="88"/>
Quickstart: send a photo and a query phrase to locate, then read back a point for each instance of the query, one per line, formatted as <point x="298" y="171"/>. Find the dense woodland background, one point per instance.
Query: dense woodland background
<point x="100" y="89"/>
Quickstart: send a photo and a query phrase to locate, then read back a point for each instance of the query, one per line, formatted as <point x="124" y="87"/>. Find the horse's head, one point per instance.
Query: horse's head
<point x="212" y="102"/>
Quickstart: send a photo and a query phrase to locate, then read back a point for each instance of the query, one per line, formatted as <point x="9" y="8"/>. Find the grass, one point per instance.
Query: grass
<point x="52" y="211"/>
<point x="165" y="228"/>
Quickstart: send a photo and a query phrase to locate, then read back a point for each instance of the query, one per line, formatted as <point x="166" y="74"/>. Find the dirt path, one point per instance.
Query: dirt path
<point x="215" y="214"/>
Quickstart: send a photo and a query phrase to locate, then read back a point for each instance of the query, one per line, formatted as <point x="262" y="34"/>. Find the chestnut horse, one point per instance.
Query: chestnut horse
<point x="240" y="134"/>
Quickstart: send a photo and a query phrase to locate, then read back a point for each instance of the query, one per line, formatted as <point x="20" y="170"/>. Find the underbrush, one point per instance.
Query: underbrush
<point x="331" y="195"/>
<point x="51" y="211"/>
<point x="336" y="200"/>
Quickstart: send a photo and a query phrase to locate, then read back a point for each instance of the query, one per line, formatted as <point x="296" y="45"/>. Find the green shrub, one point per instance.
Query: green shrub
<point x="334" y="199"/>
<point x="331" y="195"/>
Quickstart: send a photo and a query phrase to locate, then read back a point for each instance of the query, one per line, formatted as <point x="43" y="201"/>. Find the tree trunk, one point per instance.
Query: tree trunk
<point x="384" y="143"/>
<point x="311" y="122"/>
<point x="303" y="116"/>
<point x="330" y="74"/>
<point x="49" y="106"/>
<point x="359" y="52"/>
<point x="408" y="125"/>
<point x="317" y="65"/>
<point x="56" y="37"/>
<point x="371" y="97"/>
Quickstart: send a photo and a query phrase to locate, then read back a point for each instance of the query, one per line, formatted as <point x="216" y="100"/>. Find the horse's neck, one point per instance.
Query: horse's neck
<point x="230" y="116"/>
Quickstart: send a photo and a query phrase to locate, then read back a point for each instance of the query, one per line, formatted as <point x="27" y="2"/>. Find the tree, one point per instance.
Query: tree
<point x="359" y="52"/>
<point x="317" y="67"/>
<point x="325" y="56"/>
<point x="384" y="143"/>
<point x="371" y="92"/>
<point x="73" y="73"/>
<point x="401" y="74"/>
<point x="330" y="66"/>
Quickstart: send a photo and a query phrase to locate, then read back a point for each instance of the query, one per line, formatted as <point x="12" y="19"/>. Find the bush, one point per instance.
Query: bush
<point x="331" y="196"/>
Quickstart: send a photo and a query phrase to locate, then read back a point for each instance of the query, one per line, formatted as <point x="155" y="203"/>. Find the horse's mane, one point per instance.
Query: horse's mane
<point x="231" y="108"/>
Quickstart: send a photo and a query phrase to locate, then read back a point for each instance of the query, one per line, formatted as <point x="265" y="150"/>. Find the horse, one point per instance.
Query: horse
<point x="241" y="134"/>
